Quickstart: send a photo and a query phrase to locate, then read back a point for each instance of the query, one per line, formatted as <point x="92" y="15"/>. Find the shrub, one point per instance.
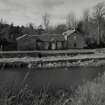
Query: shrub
<point x="91" y="93"/>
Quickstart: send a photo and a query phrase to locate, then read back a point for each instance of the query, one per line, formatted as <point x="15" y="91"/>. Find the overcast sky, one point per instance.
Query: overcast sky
<point x="21" y="12"/>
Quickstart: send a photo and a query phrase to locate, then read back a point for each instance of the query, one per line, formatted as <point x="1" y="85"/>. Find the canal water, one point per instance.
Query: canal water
<point x="59" y="78"/>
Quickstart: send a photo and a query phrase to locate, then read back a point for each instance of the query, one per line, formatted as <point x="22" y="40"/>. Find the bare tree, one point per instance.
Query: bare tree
<point x="86" y="15"/>
<point x="99" y="13"/>
<point x="46" y="20"/>
<point x="86" y="18"/>
<point x="71" y="20"/>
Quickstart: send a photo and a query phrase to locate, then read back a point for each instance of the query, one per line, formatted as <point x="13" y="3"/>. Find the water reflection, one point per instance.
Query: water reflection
<point x="52" y="78"/>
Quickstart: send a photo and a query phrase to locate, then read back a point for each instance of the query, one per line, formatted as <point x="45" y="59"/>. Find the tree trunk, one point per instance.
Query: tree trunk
<point x="99" y="34"/>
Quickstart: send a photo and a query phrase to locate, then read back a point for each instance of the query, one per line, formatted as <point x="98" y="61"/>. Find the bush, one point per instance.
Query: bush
<point x="91" y="93"/>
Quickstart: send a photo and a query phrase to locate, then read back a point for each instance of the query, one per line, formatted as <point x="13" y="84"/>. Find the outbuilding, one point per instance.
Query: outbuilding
<point x="41" y="42"/>
<point x="74" y="39"/>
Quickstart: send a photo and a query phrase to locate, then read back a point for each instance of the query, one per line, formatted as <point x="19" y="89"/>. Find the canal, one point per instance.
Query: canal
<point x="59" y="78"/>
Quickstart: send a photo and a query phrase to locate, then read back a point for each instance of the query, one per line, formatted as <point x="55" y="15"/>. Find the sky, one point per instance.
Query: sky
<point x="22" y="12"/>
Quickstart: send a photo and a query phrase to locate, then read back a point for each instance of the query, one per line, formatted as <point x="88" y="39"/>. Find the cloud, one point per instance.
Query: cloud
<point x="50" y="4"/>
<point x="25" y="11"/>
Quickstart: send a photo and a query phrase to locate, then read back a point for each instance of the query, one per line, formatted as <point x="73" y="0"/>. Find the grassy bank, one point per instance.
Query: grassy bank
<point x="90" y="93"/>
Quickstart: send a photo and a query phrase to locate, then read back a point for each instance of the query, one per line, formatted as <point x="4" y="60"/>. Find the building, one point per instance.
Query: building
<point x="74" y="39"/>
<point x="41" y="42"/>
<point x="70" y="39"/>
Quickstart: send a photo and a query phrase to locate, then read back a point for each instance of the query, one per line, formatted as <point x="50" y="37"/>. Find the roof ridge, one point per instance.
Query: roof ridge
<point x="21" y="36"/>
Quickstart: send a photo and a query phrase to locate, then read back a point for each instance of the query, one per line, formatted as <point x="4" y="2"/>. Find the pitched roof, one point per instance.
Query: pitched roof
<point x="23" y="36"/>
<point x="44" y="37"/>
<point x="68" y="32"/>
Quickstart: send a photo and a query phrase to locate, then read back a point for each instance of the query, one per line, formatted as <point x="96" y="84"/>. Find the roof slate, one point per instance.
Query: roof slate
<point x="44" y="37"/>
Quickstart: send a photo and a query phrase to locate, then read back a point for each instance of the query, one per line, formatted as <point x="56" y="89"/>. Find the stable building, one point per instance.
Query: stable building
<point x="41" y="42"/>
<point x="71" y="39"/>
<point x="74" y="39"/>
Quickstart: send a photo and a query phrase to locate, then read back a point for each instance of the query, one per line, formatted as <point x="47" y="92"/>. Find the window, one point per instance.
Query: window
<point x="75" y="45"/>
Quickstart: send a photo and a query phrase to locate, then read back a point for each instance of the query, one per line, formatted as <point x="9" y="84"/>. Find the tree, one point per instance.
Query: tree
<point x="86" y="22"/>
<point x="71" y="21"/>
<point x="40" y="30"/>
<point x="98" y="14"/>
<point x="80" y="27"/>
<point x="86" y="15"/>
<point x="31" y="26"/>
<point x="46" y="21"/>
<point x="61" y="28"/>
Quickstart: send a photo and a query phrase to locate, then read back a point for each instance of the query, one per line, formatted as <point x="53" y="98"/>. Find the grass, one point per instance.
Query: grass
<point x="90" y="93"/>
<point x="25" y="96"/>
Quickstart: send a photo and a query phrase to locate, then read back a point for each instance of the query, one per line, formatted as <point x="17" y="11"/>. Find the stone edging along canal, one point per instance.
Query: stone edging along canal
<point x="52" y="62"/>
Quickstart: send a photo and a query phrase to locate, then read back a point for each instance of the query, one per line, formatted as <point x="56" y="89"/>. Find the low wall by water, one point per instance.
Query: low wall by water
<point x="94" y="60"/>
<point x="44" y="53"/>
